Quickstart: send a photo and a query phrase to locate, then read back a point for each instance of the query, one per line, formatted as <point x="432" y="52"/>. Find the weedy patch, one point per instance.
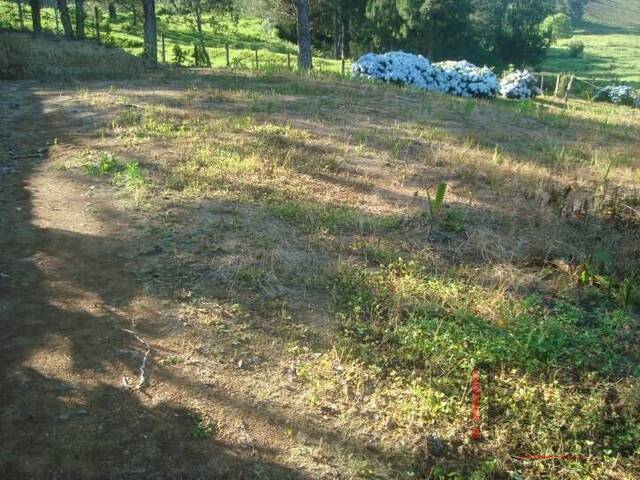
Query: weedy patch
<point x="387" y="251"/>
<point x="204" y="430"/>
<point x="106" y="165"/>
<point x="131" y="176"/>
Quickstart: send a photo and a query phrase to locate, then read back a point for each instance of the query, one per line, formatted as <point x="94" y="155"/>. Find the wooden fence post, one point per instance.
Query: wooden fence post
<point x="226" y="47"/>
<point x="557" y="90"/>
<point x="164" y="51"/>
<point x="342" y="64"/>
<point x="542" y="84"/>
<point x="256" y="50"/>
<point x="568" y="90"/>
<point x="96" y="12"/>
<point x="289" y="60"/>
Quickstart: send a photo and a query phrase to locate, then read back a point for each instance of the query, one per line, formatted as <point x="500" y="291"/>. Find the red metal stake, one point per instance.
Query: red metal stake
<point x="475" y="405"/>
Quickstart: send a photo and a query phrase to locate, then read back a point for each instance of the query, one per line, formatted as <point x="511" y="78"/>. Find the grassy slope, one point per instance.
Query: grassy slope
<point x="243" y="38"/>
<point x="611" y="34"/>
<point x="527" y="271"/>
<point x="270" y="213"/>
<point x="334" y="212"/>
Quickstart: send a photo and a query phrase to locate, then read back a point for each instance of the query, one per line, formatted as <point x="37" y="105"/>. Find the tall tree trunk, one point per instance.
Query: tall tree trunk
<point x="21" y="14"/>
<point x="203" y="50"/>
<point x="80" y="16"/>
<point x="304" y="36"/>
<point x="96" y="16"/>
<point x="55" y="14"/>
<point x="35" y="16"/>
<point x="65" y="18"/>
<point x="336" y="28"/>
<point x="150" y="33"/>
<point x="345" y="35"/>
<point x="113" y="14"/>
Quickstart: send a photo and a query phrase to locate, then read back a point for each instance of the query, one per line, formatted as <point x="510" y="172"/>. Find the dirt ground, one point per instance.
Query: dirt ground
<point x="76" y="324"/>
<point x="192" y="331"/>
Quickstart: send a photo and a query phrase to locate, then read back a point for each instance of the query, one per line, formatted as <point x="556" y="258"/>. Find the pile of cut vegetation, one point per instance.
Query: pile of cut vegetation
<point x="23" y="56"/>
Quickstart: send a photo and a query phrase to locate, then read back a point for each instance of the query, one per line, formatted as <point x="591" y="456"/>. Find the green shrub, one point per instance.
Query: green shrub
<point x="576" y="48"/>
<point x="557" y="26"/>
<point x="200" y="56"/>
<point x="178" y="55"/>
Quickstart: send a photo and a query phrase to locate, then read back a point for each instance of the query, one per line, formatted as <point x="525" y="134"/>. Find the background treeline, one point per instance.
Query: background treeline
<point x="492" y="32"/>
<point x="496" y="32"/>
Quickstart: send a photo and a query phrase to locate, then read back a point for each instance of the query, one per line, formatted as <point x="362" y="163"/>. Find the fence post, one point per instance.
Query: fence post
<point x="97" y="15"/>
<point x="557" y="90"/>
<point x="164" y="51"/>
<point x="289" y="60"/>
<point x="542" y="84"/>
<point x="568" y="90"/>
<point x="226" y="47"/>
<point x="342" y="64"/>
<point x="256" y="50"/>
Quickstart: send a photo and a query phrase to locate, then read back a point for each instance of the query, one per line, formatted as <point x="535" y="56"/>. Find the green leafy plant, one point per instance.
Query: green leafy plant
<point x="179" y="56"/>
<point x="435" y="204"/>
<point x="107" y="164"/>
<point x="132" y="176"/>
<point x="200" y="56"/>
<point x="203" y="430"/>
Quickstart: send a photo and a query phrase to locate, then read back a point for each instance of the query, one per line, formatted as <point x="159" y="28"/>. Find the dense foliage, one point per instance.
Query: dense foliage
<point x="557" y="26"/>
<point x="497" y="32"/>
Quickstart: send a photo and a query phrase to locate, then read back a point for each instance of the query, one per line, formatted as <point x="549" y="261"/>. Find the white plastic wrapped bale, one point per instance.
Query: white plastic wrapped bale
<point x="520" y="85"/>
<point x="620" y="95"/>
<point x="458" y="78"/>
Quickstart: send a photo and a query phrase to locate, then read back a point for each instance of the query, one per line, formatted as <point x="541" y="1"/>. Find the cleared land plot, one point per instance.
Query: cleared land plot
<point x="307" y="312"/>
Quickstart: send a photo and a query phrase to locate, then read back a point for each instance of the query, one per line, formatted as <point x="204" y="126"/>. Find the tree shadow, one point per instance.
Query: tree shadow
<point x="45" y="319"/>
<point x="62" y="420"/>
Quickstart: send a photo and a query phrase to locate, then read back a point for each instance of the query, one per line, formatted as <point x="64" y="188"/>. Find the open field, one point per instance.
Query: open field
<point x="611" y="35"/>
<point x="615" y="13"/>
<point x="610" y="55"/>
<point x="217" y="274"/>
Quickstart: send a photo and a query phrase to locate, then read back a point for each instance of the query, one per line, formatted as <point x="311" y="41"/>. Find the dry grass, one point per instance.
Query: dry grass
<point x="287" y="219"/>
<point x="23" y="57"/>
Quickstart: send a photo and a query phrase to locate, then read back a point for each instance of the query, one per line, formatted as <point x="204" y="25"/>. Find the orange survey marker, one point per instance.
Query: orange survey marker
<point x="475" y="405"/>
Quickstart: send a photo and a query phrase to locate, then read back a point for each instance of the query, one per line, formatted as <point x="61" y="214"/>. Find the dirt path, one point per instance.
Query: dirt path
<point x="69" y="258"/>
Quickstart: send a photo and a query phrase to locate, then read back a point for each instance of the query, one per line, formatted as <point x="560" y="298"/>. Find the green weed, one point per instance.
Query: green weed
<point x="132" y="176"/>
<point x="106" y="165"/>
<point x="203" y="430"/>
<point x="436" y="204"/>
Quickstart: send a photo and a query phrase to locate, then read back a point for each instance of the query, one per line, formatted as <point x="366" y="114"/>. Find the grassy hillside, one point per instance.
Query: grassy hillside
<point x="24" y="57"/>
<point x="615" y="13"/>
<point x="313" y="307"/>
<point x="243" y="37"/>
<point x="611" y="35"/>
